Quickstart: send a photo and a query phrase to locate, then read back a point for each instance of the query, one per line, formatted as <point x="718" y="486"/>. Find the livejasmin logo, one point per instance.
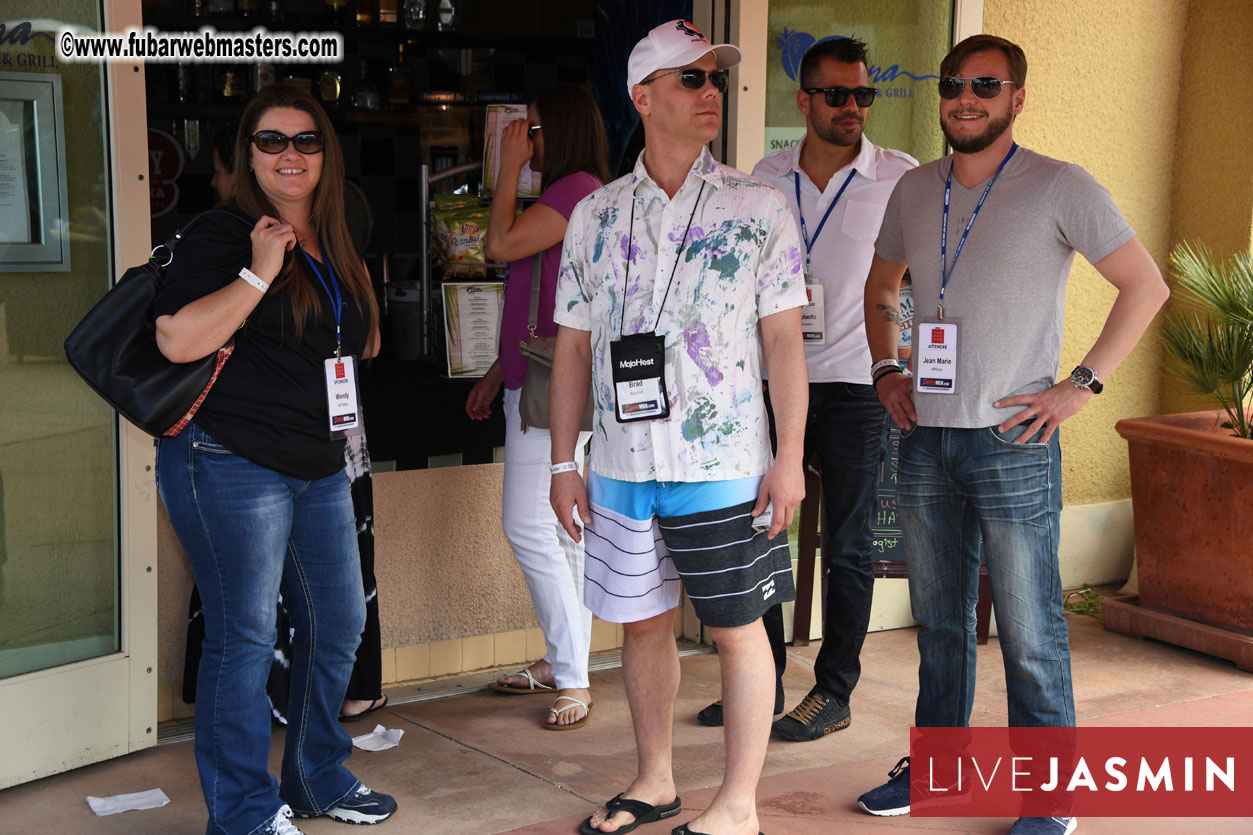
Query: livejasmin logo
<point x="1095" y="772"/>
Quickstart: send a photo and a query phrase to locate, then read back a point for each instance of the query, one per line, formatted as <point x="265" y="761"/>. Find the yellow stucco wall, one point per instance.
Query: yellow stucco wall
<point x="1102" y="91"/>
<point x="1213" y="196"/>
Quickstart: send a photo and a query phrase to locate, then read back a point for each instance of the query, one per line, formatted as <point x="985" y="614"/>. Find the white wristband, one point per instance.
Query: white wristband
<point x="563" y="467"/>
<point x="253" y="279"/>
<point x="874" y="369"/>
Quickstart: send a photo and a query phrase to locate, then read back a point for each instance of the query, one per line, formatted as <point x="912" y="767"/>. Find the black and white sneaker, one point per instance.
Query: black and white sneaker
<point x="362" y="806"/>
<point x="281" y="823"/>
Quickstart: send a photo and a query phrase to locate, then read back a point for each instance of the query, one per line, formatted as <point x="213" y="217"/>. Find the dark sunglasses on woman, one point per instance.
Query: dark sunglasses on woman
<point x="273" y="142"/>
<point x="837" y="96"/>
<point x="985" y="86"/>
<point x="695" y="79"/>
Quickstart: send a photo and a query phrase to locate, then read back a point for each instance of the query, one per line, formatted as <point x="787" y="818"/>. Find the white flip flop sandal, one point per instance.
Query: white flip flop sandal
<point x="557" y="711"/>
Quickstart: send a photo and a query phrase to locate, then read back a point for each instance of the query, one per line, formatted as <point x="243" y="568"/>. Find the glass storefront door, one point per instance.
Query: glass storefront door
<point x="62" y="526"/>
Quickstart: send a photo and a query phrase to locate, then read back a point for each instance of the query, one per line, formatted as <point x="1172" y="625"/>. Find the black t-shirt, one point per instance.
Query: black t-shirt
<point x="269" y="402"/>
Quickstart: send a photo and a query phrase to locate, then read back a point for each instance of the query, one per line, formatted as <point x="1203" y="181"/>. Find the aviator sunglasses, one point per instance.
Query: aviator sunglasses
<point x="985" y="86"/>
<point x="273" y="142"/>
<point x="837" y="96"/>
<point x="695" y="79"/>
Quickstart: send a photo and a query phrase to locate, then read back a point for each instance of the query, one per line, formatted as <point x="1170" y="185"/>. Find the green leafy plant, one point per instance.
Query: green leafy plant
<point x="1211" y="337"/>
<point x="1084" y="602"/>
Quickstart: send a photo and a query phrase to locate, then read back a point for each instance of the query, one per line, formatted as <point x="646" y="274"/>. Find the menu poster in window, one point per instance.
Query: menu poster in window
<point x="498" y="118"/>
<point x="472" y="325"/>
<point x="15" y="226"/>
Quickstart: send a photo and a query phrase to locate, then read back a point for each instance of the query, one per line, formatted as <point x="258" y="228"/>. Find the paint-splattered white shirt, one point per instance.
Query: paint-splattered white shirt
<point x="742" y="261"/>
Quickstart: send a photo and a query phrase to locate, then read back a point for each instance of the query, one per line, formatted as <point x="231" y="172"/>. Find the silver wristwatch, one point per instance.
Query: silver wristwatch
<point x="1085" y="378"/>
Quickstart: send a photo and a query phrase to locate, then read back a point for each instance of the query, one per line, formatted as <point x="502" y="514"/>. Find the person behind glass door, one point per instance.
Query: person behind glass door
<point x="255" y="484"/>
<point x="563" y="137"/>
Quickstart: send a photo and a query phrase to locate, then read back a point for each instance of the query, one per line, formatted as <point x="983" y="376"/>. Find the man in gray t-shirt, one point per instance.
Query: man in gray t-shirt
<point x="980" y="413"/>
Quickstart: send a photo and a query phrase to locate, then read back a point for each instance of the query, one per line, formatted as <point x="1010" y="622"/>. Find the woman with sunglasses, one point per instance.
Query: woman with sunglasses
<point x="255" y="484"/>
<point x="563" y="137"/>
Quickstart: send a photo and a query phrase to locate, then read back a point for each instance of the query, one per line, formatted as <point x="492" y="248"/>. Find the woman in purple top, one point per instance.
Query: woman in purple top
<point x="563" y="137"/>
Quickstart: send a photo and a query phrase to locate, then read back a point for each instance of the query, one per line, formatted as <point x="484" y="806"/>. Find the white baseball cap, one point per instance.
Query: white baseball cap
<point x="675" y="43"/>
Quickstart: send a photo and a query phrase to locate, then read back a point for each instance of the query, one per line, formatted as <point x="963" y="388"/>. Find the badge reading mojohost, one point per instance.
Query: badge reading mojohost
<point x="937" y="357"/>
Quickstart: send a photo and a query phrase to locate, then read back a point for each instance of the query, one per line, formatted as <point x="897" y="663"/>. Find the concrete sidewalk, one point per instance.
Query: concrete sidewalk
<point x="482" y="763"/>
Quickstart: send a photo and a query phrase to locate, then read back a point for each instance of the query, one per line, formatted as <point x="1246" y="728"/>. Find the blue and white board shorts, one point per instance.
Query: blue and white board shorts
<point x="646" y="537"/>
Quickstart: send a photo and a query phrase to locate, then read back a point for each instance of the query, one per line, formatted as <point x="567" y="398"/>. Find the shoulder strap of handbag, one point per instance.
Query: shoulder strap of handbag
<point x="533" y="321"/>
<point x="180" y="234"/>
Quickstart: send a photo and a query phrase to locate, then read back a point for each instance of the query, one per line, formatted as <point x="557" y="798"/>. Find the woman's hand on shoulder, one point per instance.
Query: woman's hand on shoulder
<point x="271" y="240"/>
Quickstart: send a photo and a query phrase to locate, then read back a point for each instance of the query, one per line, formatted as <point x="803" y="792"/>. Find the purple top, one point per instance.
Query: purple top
<point x="562" y="196"/>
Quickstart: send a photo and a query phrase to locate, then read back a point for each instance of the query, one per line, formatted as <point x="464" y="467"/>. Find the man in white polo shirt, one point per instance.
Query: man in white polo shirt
<point x="675" y="280"/>
<point x="836" y="182"/>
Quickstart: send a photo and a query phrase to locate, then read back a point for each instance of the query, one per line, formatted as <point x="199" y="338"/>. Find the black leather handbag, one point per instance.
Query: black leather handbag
<point x="114" y="349"/>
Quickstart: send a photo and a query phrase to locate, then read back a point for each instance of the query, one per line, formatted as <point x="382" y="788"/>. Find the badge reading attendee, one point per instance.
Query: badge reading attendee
<point x="639" y="377"/>
<point x="936" y="350"/>
<point x="813" y="315"/>
<point x="343" y="398"/>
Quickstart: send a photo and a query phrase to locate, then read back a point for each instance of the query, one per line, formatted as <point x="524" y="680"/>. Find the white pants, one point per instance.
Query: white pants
<point x="551" y="561"/>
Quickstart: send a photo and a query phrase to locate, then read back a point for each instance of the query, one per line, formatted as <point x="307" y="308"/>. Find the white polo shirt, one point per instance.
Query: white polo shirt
<point x="841" y="255"/>
<point x="741" y="262"/>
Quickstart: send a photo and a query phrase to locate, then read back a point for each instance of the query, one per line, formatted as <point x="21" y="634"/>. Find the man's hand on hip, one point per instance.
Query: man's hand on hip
<point x="1047" y="408"/>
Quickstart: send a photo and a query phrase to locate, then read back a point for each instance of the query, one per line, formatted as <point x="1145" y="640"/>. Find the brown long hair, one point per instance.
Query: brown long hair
<point x="327" y="214"/>
<point x="574" y="134"/>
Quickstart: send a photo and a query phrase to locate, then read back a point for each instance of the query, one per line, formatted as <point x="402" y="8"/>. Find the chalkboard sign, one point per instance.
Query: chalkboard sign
<point x="885" y="526"/>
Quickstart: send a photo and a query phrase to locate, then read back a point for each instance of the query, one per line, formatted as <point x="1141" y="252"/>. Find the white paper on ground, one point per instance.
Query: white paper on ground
<point x="379" y="739"/>
<point x="151" y="799"/>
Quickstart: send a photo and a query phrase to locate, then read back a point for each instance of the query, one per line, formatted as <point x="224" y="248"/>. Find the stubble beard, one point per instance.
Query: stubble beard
<point x="975" y="144"/>
<point x="832" y="135"/>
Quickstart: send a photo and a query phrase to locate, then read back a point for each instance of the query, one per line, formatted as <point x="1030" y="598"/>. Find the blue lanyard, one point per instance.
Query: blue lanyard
<point x="945" y="275"/>
<point x="809" y="245"/>
<point x="337" y="301"/>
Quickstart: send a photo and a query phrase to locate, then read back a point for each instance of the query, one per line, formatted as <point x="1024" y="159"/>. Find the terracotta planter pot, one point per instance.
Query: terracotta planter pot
<point x="1192" y="496"/>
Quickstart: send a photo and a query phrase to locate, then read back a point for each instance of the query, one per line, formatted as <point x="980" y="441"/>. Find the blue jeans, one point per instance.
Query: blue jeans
<point x="951" y="479"/>
<point x="249" y="533"/>
<point x="845" y="430"/>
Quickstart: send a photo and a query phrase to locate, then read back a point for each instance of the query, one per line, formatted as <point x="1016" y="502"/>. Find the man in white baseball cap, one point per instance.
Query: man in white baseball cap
<point x="675" y="281"/>
<point x="676" y="43"/>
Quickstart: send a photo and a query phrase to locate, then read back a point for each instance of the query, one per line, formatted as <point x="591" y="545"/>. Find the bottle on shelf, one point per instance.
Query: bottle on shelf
<point x="273" y="13"/>
<point x="232" y="84"/>
<point x="336" y="13"/>
<point x="246" y="8"/>
<point x="388" y="13"/>
<point x="365" y="14"/>
<point x="413" y="15"/>
<point x="446" y="16"/>
<point x="399" y="82"/>
<point x="365" y="96"/>
<point x="260" y="76"/>
<point x="330" y="86"/>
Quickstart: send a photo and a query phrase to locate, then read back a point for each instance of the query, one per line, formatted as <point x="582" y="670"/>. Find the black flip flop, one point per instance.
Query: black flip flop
<point x="682" y="829"/>
<point x="374" y="705"/>
<point x="643" y="812"/>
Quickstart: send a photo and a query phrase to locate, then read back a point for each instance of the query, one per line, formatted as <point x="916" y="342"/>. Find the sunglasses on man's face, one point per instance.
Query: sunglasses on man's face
<point x="273" y="142"/>
<point x="985" y="86"/>
<point x="694" y="79"/>
<point x="837" y="96"/>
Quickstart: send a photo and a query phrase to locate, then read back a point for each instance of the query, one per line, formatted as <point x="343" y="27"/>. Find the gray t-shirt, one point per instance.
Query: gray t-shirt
<point x="1008" y="292"/>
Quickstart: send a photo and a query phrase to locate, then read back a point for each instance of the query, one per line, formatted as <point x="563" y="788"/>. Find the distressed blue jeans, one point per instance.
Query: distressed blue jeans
<point x="250" y="532"/>
<point x="954" y="478"/>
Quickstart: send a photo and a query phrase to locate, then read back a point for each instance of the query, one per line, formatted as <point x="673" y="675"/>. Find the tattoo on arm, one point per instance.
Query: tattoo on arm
<point x="890" y="313"/>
